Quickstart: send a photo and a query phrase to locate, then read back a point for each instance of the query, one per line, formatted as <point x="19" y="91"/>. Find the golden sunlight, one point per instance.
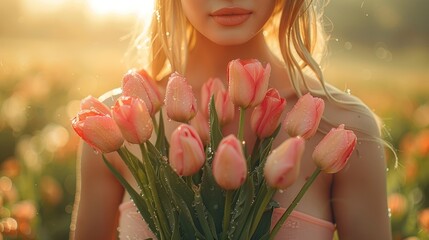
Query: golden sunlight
<point x="122" y="7"/>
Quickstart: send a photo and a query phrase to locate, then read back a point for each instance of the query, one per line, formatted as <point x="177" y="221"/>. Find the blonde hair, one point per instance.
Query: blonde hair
<point x="295" y="33"/>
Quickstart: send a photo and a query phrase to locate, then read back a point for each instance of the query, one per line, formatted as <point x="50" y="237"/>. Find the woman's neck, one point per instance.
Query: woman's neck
<point x="207" y="59"/>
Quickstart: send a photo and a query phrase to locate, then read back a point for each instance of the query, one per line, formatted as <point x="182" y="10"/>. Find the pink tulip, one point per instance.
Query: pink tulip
<point x="210" y="88"/>
<point x="201" y="124"/>
<point x="282" y="167"/>
<point x="99" y="130"/>
<point x="304" y="118"/>
<point x="133" y="119"/>
<point x="229" y="164"/>
<point x="179" y="99"/>
<point x="186" y="151"/>
<point x="266" y="116"/>
<point x="141" y="85"/>
<point x="224" y="107"/>
<point x="248" y="82"/>
<point x="91" y="102"/>
<point x="334" y="150"/>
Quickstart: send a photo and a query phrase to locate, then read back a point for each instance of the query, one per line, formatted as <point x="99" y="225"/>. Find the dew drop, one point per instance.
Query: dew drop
<point x="96" y="151"/>
<point x="348" y="91"/>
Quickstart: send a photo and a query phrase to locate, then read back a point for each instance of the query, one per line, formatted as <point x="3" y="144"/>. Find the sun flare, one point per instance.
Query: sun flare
<point x="122" y="7"/>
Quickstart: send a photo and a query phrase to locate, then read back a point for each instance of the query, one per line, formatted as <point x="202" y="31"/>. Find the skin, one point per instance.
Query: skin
<point x="354" y="198"/>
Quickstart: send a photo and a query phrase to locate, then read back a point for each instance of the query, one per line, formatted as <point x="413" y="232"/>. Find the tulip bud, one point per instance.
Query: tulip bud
<point x="141" y="85"/>
<point x="282" y="167"/>
<point x="334" y="150"/>
<point x="91" y="102"/>
<point x="210" y="88"/>
<point x="179" y="99"/>
<point x="248" y="82"/>
<point x="224" y="107"/>
<point x="266" y="116"/>
<point x="304" y="118"/>
<point x="99" y="130"/>
<point x="186" y="151"/>
<point x="229" y="164"/>
<point x="133" y="119"/>
<point x="201" y="124"/>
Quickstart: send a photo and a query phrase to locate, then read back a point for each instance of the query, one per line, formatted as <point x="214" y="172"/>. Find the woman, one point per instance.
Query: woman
<point x="198" y="38"/>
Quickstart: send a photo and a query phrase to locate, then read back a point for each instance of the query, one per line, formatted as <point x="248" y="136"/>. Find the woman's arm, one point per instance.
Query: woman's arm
<point x="97" y="198"/>
<point x="359" y="195"/>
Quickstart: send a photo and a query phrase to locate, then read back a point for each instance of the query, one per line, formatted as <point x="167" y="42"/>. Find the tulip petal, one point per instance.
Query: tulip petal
<point x="229" y="165"/>
<point x="102" y="133"/>
<point x="241" y="85"/>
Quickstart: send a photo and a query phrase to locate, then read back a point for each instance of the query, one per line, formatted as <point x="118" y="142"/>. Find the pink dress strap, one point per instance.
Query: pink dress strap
<point x="302" y="226"/>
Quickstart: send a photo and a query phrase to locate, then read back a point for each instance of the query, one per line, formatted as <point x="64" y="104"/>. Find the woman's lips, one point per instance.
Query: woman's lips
<point x="231" y="16"/>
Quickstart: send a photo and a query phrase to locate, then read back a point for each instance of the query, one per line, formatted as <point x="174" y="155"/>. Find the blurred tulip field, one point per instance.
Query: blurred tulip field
<point x="55" y="52"/>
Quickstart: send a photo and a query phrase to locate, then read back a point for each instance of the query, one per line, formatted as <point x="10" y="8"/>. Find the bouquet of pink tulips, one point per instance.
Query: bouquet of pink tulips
<point x="200" y="184"/>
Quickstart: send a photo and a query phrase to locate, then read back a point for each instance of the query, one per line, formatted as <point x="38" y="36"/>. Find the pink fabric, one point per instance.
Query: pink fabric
<point x="131" y="224"/>
<point x="297" y="227"/>
<point x="302" y="226"/>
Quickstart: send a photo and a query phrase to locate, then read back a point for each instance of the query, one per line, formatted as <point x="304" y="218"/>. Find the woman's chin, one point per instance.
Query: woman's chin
<point x="230" y="39"/>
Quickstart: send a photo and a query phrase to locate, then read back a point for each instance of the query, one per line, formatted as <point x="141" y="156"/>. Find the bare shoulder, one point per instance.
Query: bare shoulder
<point x="353" y="113"/>
<point x="359" y="190"/>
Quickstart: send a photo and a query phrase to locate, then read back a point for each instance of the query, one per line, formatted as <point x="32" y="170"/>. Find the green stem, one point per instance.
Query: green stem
<point x="241" y="124"/>
<point x="164" y="232"/>
<point x="227" y="213"/>
<point x="189" y="181"/>
<point x="294" y="203"/>
<point x="261" y="210"/>
<point x="155" y="124"/>
<point x="255" y="155"/>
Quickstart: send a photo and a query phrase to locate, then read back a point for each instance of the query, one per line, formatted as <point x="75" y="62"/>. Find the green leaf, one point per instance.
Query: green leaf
<point x="168" y="207"/>
<point x="215" y="131"/>
<point x="175" y="235"/>
<point x="262" y="201"/>
<point x="155" y="155"/>
<point x="175" y="181"/>
<point x="260" y="153"/>
<point x="188" y="229"/>
<point x="213" y="196"/>
<point x="240" y="214"/>
<point x="133" y="163"/>
<point x="205" y="219"/>
<point x="263" y="229"/>
<point x="156" y="189"/>
<point x="161" y="140"/>
<point x="137" y="198"/>
<point x="182" y="197"/>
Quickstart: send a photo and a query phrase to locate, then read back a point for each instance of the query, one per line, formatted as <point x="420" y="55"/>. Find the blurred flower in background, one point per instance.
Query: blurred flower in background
<point x="55" y="52"/>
